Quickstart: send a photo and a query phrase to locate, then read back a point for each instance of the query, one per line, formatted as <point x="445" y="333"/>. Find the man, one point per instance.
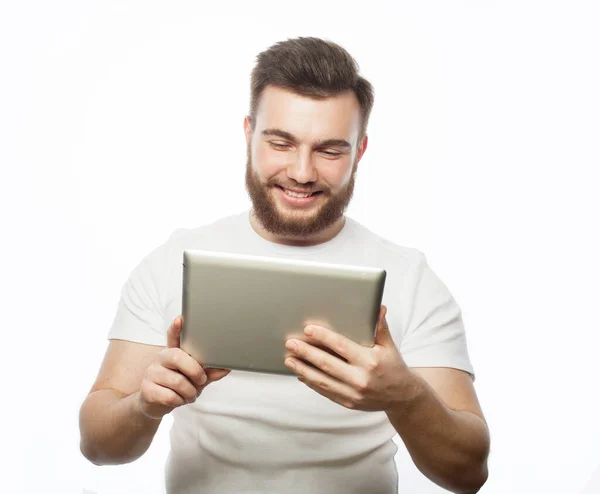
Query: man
<point x="330" y="430"/>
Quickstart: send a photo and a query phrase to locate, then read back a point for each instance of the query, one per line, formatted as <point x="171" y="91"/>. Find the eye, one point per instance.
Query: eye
<point x="331" y="154"/>
<point x="281" y="146"/>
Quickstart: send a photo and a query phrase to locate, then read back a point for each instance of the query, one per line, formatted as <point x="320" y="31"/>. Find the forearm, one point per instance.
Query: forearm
<point x="449" y="447"/>
<point x="113" y="429"/>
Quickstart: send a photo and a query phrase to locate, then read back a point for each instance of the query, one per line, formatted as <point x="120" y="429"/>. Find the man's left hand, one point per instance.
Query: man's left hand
<point x="364" y="378"/>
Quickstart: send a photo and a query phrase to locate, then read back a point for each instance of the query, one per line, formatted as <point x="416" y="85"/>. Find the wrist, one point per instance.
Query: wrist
<point x="411" y="392"/>
<point x="142" y="410"/>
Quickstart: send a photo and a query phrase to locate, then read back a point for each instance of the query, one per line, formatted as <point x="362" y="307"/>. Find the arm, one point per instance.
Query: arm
<point x="444" y="433"/>
<point x="113" y="428"/>
<point x="136" y="386"/>
<point x="443" y="428"/>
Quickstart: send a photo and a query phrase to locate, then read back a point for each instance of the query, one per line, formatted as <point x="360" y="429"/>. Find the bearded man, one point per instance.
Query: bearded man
<point x="331" y="430"/>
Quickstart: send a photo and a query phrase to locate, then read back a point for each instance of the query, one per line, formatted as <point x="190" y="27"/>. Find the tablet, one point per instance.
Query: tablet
<point x="239" y="310"/>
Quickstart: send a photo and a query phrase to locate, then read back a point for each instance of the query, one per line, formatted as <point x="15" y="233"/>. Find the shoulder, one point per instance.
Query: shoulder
<point x="209" y="236"/>
<point x="382" y="246"/>
<point x="218" y="231"/>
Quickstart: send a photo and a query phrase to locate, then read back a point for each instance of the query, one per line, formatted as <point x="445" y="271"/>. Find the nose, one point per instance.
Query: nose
<point x="302" y="168"/>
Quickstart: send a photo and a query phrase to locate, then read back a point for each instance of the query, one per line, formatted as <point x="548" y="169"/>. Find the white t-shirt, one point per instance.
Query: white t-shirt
<point x="261" y="433"/>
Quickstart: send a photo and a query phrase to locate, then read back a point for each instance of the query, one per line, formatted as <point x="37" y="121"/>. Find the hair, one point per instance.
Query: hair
<point x="310" y="67"/>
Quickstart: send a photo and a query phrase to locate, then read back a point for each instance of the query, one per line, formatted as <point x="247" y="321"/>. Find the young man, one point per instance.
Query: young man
<point x="331" y="430"/>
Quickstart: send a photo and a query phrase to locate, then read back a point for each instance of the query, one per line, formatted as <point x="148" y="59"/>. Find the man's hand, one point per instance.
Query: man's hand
<point x="370" y="379"/>
<point x="174" y="378"/>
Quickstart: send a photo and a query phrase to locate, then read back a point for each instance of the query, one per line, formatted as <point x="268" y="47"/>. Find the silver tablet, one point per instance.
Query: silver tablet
<point x="239" y="310"/>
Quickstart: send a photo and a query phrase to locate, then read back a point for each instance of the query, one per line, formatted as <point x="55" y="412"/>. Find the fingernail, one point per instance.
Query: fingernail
<point x="203" y="379"/>
<point x="290" y="364"/>
<point x="309" y="331"/>
<point x="291" y="345"/>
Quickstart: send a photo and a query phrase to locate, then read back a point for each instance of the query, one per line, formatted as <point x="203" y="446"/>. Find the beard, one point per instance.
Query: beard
<point x="290" y="224"/>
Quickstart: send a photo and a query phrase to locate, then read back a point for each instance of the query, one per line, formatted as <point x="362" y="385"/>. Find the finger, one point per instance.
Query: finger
<point x="383" y="337"/>
<point x="156" y="401"/>
<point x="332" y="396"/>
<point x="177" y="360"/>
<point x="336" y="342"/>
<point x="167" y="397"/>
<point x="322" y="360"/>
<point x="174" y="333"/>
<point x="326" y="385"/>
<point x="158" y="396"/>
<point x="175" y="381"/>
<point x="214" y="375"/>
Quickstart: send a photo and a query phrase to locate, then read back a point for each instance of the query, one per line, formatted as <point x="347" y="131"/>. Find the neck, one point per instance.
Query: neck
<point x="318" y="238"/>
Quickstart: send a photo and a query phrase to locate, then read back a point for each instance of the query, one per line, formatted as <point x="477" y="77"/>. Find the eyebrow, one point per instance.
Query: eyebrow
<point x="320" y="143"/>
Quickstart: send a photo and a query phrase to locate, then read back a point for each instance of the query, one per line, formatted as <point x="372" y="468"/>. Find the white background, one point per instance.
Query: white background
<point x="121" y="121"/>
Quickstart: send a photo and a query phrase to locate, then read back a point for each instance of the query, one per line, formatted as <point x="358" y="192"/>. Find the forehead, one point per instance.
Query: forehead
<point x="337" y="117"/>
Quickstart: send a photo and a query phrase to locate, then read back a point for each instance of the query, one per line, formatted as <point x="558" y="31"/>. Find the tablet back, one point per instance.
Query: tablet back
<point x="239" y="310"/>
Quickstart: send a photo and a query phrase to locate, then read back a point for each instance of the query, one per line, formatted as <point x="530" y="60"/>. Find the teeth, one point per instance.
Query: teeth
<point x="295" y="194"/>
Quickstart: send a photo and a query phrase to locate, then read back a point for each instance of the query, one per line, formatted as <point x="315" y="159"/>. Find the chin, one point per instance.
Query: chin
<point x="285" y="211"/>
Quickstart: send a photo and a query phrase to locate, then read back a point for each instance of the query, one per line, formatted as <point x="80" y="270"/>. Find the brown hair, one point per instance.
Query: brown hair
<point x="310" y="67"/>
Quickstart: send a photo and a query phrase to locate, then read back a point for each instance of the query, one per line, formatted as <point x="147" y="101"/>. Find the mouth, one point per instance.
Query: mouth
<point x="298" y="198"/>
<point x="296" y="193"/>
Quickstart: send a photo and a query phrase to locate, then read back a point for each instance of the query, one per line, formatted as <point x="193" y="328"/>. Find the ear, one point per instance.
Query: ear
<point x="248" y="129"/>
<point x="362" y="147"/>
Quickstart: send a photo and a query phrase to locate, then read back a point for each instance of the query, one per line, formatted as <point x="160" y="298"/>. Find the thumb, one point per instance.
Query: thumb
<point x="174" y="333"/>
<point x="383" y="336"/>
<point x="214" y="374"/>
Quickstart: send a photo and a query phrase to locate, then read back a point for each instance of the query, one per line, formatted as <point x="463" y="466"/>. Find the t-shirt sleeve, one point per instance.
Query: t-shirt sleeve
<point x="140" y="312"/>
<point x="435" y="334"/>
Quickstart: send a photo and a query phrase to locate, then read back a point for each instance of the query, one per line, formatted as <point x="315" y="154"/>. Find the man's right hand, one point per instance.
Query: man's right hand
<point x="174" y="378"/>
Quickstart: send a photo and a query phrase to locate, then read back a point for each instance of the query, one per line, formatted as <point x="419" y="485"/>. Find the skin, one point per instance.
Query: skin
<point x="435" y="410"/>
<point x="137" y="385"/>
<point x="307" y="155"/>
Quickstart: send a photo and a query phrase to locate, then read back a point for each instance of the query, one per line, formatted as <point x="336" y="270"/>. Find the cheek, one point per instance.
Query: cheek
<point x="268" y="162"/>
<point x="335" y="174"/>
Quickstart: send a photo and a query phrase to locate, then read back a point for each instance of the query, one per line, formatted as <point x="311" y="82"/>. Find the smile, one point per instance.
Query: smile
<point x="293" y="193"/>
<point x="298" y="198"/>
<point x="296" y="194"/>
